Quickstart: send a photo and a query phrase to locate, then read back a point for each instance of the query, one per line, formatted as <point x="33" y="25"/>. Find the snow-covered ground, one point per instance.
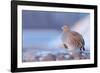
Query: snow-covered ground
<point x="34" y="55"/>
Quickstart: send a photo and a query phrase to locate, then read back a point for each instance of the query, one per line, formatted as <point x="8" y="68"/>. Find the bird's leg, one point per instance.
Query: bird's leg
<point x="65" y="46"/>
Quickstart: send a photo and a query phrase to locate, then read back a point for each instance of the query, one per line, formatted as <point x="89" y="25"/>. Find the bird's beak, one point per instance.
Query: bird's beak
<point x="62" y="28"/>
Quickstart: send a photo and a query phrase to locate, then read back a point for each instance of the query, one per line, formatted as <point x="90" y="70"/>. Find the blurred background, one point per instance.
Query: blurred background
<point x="42" y="30"/>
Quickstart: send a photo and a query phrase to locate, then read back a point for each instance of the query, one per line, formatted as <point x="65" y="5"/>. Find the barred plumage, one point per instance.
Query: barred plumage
<point x="72" y="40"/>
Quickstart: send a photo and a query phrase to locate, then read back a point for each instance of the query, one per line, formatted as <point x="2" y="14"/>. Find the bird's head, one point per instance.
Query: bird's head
<point x="65" y="28"/>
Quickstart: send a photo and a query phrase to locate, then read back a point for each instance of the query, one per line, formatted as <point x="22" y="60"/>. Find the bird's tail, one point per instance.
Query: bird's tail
<point x="83" y="48"/>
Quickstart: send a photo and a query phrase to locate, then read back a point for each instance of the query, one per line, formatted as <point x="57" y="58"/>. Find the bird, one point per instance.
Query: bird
<point x="73" y="42"/>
